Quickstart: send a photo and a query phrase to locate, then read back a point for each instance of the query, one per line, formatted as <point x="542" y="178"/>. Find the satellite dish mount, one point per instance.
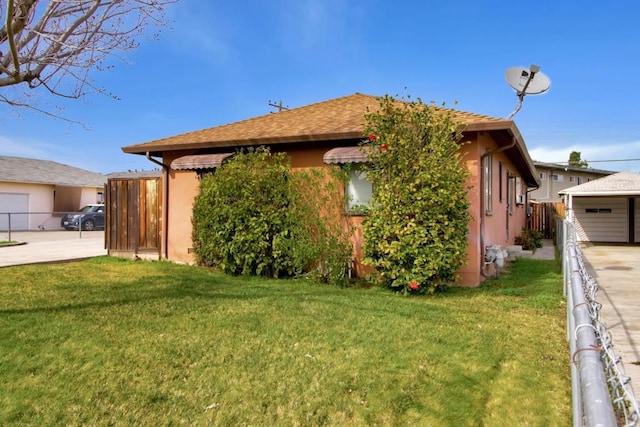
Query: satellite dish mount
<point x="526" y="82"/>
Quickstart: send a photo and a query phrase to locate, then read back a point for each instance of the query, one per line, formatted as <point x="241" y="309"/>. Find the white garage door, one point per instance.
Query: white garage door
<point x="17" y="204"/>
<point x="602" y="219"/>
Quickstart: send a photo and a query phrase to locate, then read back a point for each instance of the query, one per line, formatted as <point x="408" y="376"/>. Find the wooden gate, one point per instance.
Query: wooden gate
<point x="543" y="216"/>
<point x="133" y="223"/>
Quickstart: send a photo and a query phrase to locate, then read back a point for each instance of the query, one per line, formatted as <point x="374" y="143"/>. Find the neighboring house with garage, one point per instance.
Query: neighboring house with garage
<point x="606" y="209"/>
<point x="31" y="190"/>
<point x="556" y="177"/>
<point x="327" y="134"/>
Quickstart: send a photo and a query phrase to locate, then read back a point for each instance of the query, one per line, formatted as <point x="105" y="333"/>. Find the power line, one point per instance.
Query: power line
<point x="279" y="105"/>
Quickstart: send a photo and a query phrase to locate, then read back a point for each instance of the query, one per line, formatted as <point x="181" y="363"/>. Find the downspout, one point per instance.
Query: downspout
<point x="482" y="207"/>
<point x="164" y="251"/>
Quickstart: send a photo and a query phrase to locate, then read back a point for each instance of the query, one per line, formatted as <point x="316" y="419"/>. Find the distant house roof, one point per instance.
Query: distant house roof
<point x="333" y="120"/>
<point x="572" y="168"/>
<point x="618" y="184"/>
<point x="155" y="173"/>
<point x="34" y="171"/>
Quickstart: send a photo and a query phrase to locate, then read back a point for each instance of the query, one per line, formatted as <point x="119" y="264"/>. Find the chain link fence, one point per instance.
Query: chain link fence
<point x="14" y="222"/>
<point x="602" y="393"/>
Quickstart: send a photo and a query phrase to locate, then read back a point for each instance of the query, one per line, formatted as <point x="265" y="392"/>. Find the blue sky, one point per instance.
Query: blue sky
<point x="224" y="61"/>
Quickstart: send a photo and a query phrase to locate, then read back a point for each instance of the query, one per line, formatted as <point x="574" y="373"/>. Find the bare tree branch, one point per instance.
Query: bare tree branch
<point x="39" y="110"/>
<point x="54" y="44"/>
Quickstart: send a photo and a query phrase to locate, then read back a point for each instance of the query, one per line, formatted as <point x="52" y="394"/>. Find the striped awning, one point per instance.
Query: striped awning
<point x="345" y="155"/>
<point x="199" y="161"/>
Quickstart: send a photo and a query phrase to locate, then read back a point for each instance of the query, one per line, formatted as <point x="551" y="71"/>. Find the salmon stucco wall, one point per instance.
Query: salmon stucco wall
<point x="501" y="225"/>
<point x="506" y="219"/>
<point x="183" y="189"/>
<point x="470" y="156"/>
<point x="503" y="220"/>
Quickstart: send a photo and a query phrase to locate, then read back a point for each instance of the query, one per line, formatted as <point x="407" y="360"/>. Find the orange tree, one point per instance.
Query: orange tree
<point x="415" y="232"/>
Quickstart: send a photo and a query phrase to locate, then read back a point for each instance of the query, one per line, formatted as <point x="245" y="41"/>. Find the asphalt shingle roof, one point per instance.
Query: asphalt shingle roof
<point x="565" y="167"/>
<point x="335" y="119"/>
<point x="616" y="184"/>
<point x="154" y="173"/>
<point x="34" y="171"/>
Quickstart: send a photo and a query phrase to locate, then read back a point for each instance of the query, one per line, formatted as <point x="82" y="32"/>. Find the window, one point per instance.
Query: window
<point x="359" y="190"/>
<point x="500" y="180"/>
<point x="559" y="178"/>
<point x="100" y="197"/>
<point x="598" y="210"/>
<point x="519" y="194"/>
<point x="511" y="192"/>
<point x="487" y="170"/>
<point x="202" y="173"/>
<point x="579" y="180"/>
<point x="572" y="178"/>
<point x="543" y="176"/>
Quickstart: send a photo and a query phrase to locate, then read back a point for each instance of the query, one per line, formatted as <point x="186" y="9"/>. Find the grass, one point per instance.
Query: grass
<point x="114" y="342"/>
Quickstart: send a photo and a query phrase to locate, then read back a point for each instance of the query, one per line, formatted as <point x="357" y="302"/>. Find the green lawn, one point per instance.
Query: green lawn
<point x="114" y="342"/>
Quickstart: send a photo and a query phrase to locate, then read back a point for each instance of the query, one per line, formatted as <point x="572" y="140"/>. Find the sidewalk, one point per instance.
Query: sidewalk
<point x="51" y="246"/>
<point x="547" y="251"/>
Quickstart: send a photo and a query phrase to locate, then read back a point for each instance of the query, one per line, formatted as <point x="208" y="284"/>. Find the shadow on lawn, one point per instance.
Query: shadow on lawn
<point x="536" y="281"/>
<point x="142" y="290"/>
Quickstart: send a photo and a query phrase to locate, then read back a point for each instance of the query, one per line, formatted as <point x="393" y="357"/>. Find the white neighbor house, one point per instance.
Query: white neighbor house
<point x="606" y="209"/>
<point x="31" y="190"/>
<point x="555" y="177"/>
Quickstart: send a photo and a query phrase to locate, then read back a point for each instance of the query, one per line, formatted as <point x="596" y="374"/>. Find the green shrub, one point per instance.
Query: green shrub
<point x="416" y="230"/>
<point x="529" y="239"/>
<point x="254" y="216"/>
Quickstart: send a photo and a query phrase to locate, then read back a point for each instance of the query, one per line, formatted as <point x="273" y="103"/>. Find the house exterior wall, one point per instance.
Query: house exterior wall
<point x="504" y="219"/>
<point x="555" y="179"/>
<point x="501" y="226"/>
<point x="90" y="195"/>
<point x="40" y="200"/>
<point x="470" y="155"/>
<point x="67" y="199"/>
<point x="183" y="188"/>
<point x="47" y="199"/>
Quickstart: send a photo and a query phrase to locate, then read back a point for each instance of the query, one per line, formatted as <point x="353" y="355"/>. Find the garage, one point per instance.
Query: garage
<point x="602" y="219"/>
<point x="606" y="210"/>
<point x="16" y="204"/>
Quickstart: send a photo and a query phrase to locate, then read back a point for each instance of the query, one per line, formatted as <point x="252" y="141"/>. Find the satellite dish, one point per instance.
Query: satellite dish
<point x="526" y="82"/>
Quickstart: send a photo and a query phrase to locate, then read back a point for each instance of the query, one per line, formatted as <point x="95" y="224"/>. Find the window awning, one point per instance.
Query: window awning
<point x="199" y="161"/>
<point x="345" y="155"/>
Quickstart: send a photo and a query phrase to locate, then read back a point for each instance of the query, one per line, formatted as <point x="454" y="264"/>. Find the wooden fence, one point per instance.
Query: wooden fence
<point x="133" y="223"/>
<point x="543" y="216"/>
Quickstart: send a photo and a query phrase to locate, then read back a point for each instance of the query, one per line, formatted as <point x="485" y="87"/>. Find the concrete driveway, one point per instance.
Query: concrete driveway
<point x="51" y="246"/>
<point x="616" y="269"/>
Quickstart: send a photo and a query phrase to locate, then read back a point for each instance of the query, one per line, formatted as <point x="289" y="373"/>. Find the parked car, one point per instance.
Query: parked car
<point x="91" y="217"/>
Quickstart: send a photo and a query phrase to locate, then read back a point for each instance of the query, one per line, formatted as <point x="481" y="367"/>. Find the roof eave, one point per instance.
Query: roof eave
<point x="509" y="126"/>
<point x="601" y="193"/>
<point x="159" y="148"/>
